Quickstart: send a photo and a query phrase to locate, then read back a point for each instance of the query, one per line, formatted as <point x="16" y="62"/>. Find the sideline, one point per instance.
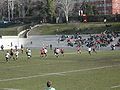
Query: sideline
<point x="57" y="73"/>
<point x="115" y="87"/>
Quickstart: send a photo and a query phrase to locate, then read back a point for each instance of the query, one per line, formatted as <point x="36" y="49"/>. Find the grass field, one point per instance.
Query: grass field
<point x="73" y="71"/>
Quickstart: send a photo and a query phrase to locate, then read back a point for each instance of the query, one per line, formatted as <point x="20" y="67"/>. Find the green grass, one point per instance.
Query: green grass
<point x="72" y="28"/>
<point x="87" y="78"/>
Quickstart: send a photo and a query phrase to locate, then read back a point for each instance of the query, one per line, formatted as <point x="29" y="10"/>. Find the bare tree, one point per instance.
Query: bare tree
<point x="25" y="6"/>
<point x="66" y="6"/>
<point x="3" y="8"/>
<point x="21" y="8"/>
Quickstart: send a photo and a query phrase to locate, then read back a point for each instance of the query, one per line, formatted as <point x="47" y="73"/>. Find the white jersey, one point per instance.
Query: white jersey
<point x="29" y="52"/>
<point x="16" y="53"/>
<point x="45" y="50"/>
<point x="50" y="88"/>
<point x="57" y="50"/>
<point x="7" y="55"/>
<point x="89" y="49"/>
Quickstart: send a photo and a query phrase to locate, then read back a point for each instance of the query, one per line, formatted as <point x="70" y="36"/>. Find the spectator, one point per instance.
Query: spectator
<point x="2" y="47"/>
<point x="31" y="42"/>
<point x="11" y="44"/>
<point x="50" y="46"/>
<point x="22" y="48"/>
<point x="16" y="47"/>
<point x="49" y="87"/>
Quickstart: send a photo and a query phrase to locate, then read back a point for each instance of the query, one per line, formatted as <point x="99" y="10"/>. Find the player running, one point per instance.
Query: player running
<point x="62" y="51"/>
<point x="16" y="54"/>
<point x="7" y="56"/>
<point x="12" y="54"/>
<point x="42" y="52"/>
<point x="78" y="50"/>
<point x="29" y="55"/>
<point x="56" y="52"/>
<point x="89" y="50"/>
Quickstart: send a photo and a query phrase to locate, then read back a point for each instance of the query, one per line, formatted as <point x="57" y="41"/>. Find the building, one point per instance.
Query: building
<point x="115" y="6"/>
<point x="104" y="6"/>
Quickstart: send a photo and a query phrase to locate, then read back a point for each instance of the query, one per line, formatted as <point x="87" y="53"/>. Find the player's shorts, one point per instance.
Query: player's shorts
<point x="62" y="52"/>
<point x="6" y="58"/>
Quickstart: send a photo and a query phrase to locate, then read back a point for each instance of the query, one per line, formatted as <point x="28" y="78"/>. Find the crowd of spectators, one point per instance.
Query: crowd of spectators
<point x="95" y="40"/>
<point x="118" y="43"/>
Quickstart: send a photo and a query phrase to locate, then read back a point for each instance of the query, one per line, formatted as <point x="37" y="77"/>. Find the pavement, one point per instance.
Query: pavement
<point x="39" y="41"/>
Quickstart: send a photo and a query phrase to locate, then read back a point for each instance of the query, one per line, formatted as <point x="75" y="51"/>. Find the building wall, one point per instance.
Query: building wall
<point x="105" y="6"/>
<point x="15" y="40"/>
<point x="116" y="6"/>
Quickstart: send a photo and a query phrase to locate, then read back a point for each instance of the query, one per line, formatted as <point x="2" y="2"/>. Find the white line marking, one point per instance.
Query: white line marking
<point x="115" y="86"/>
<point x="60" y="74"/>
<point x="57" y="73"/>
<point x="8" y="89"/>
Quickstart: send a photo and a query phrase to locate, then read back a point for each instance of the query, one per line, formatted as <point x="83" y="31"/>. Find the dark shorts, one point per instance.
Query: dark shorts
<point x="56" y="53"/>
<point x="42" y="53"/>
<point x="6" y="58"/>
<point x="11" y="54"/>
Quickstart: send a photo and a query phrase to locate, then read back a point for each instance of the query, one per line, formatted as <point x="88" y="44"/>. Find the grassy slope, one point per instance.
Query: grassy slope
<point x="72" y="28"/>
<point x="101" y="79"/>
<point x="10" y="31"/>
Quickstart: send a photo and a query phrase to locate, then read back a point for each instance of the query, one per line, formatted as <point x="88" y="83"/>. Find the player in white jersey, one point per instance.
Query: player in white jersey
<point x="45" y="51"/>
<point x="56" y="52"/>
<point x="7" y="56"/>
<point x="89" y="50"/>
<point x="29" y="53"/>
<point x="16" y="54"/>
<point x="49" y="86"/>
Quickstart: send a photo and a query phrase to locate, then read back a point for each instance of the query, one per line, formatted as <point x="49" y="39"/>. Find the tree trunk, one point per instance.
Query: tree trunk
<point x="66" y="16"/>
